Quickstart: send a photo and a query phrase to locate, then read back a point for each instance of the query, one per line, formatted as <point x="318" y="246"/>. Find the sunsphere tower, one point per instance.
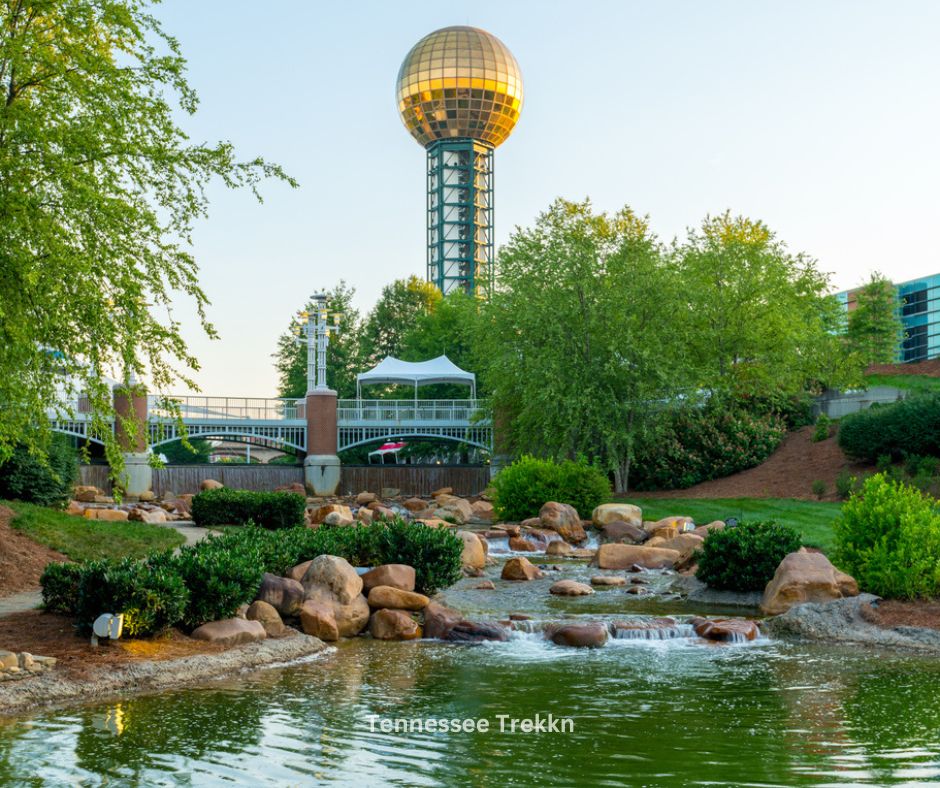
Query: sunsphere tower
<point x="460" y="95"/>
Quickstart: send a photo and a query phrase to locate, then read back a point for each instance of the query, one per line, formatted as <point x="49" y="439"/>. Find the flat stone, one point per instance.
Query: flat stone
<point x="593" y="635"/>
<point x="230" y="631"/>
<point x="395" y="575"/>
<point x="395" y="598"/>
<point x="570" y="588"/>
<point x="623" y="556"/>
<point x="608" y="580"/>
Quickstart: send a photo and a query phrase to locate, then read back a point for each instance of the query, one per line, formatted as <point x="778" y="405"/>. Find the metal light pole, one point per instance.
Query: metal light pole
<point x="315" y="332"/>
<point x="321" y="465"/>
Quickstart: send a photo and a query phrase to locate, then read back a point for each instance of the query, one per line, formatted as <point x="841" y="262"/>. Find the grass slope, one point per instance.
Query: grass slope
<point x="83" y="540"/>
<point x="914" y="383"/>
<point x="811" y="518"/>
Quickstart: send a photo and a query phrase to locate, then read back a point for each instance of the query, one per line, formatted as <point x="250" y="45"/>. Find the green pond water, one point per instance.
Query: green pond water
<point x="644" y="712"/>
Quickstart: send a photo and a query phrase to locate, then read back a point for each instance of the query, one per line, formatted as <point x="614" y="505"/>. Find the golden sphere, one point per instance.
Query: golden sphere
<point x="460" y="82"/>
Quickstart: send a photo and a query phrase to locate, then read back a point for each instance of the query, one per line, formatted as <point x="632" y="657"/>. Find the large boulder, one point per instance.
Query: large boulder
<point x="319" y="515"/>
<point x="337" y="574"/>
<point x="685" y="544"/>
<point x="442" y="623"/>
<point x="297" y="573"/>
<point x="557" y="547"/>
<point x="365" y="498"/>
<point x="151" y="516"/>
<point x="86" y="493"/>
<point x="283" y="594"/>
<point x="564" y="520"/>
<point x="109" y="515"/>
<point x="670" y="527"/>
<point x="628" y="533"/>
<point x="395" y="575"/>
<point x="267" y="616"/>
<point x="805" y="576"/>
<point x="415" y="504"/>
<point x="610" y="512"/>
<point x="317" y="619"/>
<point x="396" y="599"/>
<point x="705" y="530"/>
<point x="608" y="580"/>
<point x="624" y="556"/>
<point x="520" y="544"/>
<point x="593" y="635"/>
<point x="473" y="555"/>
<point x="482" y="510"/>
<point x="389" y="624"/>
<point x="450" y="507"/>
<point x="230" y="632"/>
<point x="350" y="618"/>
<point x="210" y="484"/>
<point x="520" y="569"/>
<point x="338" y="518"/>
<point x="570" y="588"/>
<point x="726" y="630"/>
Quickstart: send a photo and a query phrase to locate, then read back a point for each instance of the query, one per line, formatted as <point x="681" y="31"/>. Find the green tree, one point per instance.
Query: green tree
<point x="394" y="316"/>
<point x="342" y="358"/>
<point x="757" y="317"/>
<point x="875" y="329"/>
<point x="177" y="453"/>
<point x="99" y="191"/>
<point x="448" y="330"/>
<point x="584" y="337"/>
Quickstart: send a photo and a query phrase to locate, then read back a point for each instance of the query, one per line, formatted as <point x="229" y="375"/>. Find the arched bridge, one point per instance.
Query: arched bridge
<point x="282" y="423"/>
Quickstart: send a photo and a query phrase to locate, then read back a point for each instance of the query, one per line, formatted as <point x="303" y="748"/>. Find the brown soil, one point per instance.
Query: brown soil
<point x="929" y="368"/>
<point x="52" y="635"/>
<point x="895" y="613"/>
<point x="788" y="473"/>
<point x="21" y="559"/>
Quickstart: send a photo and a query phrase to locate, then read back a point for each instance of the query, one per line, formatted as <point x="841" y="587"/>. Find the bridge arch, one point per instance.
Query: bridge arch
<point x="477" y="437"/>
<point x="75" y="430"/>
<point x="246" y="437"/>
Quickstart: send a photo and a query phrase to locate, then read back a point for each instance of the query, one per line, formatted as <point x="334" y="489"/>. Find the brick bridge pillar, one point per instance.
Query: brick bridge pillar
<point x="130" y="430"/>
<point x="321" y="465"/>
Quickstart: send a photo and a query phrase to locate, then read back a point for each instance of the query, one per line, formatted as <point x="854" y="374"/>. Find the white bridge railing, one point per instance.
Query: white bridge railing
<point x="405" y="411"/>
<point x="226" y="408"/>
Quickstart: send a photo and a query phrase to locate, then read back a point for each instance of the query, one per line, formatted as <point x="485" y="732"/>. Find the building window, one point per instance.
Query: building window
<point x="915" y="302"/>
<point x="914" y="347"/>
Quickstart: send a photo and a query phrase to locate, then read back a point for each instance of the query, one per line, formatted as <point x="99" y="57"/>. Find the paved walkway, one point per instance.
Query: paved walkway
<point x="29" y="600"/>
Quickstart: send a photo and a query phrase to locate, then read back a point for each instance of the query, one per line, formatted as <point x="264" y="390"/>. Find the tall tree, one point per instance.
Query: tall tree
<point x="99" y="191"/>
<point x="758" y="317"/>
<point x="875" y="328"/>
<point x="448" y="330"/>
<point x="394" y="315"/>
<point x="582" y="338"/>
<point x="342" y="359"/>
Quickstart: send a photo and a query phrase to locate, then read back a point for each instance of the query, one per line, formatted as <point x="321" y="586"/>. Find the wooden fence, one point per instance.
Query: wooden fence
<point x="409" y="479"/>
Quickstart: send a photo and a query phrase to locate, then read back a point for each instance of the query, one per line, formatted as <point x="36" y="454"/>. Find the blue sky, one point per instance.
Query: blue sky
<point x="820" y="118"/>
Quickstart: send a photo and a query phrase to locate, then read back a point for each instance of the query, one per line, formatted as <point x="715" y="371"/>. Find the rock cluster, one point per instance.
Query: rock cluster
<point x="20" y="665"/>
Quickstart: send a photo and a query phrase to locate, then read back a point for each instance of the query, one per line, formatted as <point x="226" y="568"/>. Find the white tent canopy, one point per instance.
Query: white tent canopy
<point x="417" y="373"/>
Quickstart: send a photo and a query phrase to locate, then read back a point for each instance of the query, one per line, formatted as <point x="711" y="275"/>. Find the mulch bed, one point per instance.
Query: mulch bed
<point x="929" y="368"/>
<point x="788" y="473"/>
<point x="895" y="613"/>
<point x="21" y="559"/>
<point x="52" y="635"/>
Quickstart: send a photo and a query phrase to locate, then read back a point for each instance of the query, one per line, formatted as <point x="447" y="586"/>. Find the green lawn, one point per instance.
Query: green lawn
<point x="916" y="383"/>
<point x="812" y="519"/>
<point x="82" y="539"/>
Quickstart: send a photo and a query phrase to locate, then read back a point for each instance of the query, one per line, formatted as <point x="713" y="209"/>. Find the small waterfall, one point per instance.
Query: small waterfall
<point x="593" y="541"/>
<point x="674" y="632"/>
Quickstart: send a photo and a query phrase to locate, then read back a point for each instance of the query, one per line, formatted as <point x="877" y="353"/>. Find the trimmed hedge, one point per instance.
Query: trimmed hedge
<point x="520" y="489"/>
<point x="911" y="426"/>
<point x="272" y="510"/>
<point x="46" y="481"/>
<point x="744" y="558"/>
<point x="888" y="539"/>
<point x="209" y="580"/>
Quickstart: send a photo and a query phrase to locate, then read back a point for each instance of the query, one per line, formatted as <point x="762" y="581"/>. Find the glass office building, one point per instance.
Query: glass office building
<point x="920" y="314"/>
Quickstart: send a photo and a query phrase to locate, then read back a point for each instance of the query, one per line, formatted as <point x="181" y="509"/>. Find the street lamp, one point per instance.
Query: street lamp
<point x="313" y="330"/>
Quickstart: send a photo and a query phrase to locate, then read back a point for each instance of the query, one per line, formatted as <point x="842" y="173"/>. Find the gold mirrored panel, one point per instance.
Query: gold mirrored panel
<point x="460" y="82"/>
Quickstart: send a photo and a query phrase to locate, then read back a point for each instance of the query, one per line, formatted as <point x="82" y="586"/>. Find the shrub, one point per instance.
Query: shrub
<point x="44" y="480"/>
<point x="888" y="538"/>
<point x="151" y="597"/>
<point x="744" y="558"/>
<point x="911" y="426"/>
<point x="699" y="444"/>
<point x="209" y="580"/>
<point x="819" y="488"/>
<point x="823" y="428"/>
<point x="520" y="490"/>
<point x="219" y="581"/>
<point x="845" y="483"/>
<point x="223" y="506"/>
<point x="60" y="587"/>
<point x="883" y="463"/>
